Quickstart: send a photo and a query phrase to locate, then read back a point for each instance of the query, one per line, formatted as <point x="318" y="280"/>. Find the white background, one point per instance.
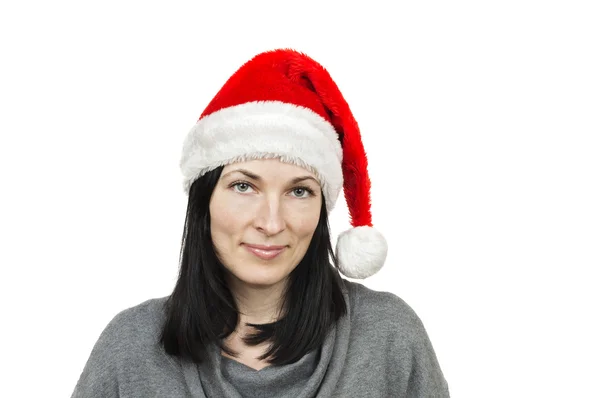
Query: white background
<point x="481" y="123"/>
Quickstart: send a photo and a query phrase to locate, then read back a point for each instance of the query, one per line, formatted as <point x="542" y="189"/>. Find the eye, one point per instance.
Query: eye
<point x="302" y="192"/>
<point x="241" y="187"/>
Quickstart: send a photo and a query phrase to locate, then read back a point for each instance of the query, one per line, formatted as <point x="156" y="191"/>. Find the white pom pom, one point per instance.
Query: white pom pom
<point x="361" y="252"/>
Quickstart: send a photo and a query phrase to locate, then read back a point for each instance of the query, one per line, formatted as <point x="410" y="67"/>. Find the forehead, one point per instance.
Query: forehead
<point x="270" y="167"/>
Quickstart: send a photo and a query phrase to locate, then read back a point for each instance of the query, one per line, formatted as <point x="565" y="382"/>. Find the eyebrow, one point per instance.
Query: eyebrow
<point x="259" y="178"/>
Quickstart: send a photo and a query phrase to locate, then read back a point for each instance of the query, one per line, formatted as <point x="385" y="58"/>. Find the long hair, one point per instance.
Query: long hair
<point x="202" y="310"/>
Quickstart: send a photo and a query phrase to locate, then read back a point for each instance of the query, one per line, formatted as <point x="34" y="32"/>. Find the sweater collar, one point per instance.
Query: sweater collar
<point x="212" y="377"/>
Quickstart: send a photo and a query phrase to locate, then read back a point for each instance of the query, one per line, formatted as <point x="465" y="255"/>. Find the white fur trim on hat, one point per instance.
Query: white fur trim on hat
<point x="361" y="252"/>
<point x="265" y="129"/>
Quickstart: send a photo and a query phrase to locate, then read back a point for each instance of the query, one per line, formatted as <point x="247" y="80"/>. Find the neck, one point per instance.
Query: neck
<point x="256" y="304"/>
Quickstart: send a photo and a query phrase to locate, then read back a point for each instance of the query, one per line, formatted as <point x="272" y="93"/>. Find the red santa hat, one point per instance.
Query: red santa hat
<point x="282" y="104"/>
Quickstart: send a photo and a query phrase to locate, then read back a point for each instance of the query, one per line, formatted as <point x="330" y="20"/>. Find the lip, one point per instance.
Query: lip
<point x="265" y="252"/>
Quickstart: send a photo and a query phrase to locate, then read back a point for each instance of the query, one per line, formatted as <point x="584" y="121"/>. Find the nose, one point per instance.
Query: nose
<point x="269" y="218"/>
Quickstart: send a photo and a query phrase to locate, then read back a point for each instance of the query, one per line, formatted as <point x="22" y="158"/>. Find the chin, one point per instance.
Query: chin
<point x="261" y="275"/>
<point x="260" y="278"/>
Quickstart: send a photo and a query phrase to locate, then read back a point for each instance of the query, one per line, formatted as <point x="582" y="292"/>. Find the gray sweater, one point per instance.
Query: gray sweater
<point x="381" y="349"/>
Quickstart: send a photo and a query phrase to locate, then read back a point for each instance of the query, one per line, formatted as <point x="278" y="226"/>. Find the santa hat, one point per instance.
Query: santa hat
<point x="282" y="104"/>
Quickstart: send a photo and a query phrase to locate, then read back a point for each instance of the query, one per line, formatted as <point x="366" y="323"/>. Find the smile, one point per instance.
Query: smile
<point x="265" y="252"/>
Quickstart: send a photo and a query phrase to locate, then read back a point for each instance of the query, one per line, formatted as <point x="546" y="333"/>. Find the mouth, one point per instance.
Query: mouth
<point x="264" y="252"/>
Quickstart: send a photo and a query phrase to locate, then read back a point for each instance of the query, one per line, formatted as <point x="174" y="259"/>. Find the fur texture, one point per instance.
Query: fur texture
<point x="267" y="129"/>
<point x="361" y="252"/>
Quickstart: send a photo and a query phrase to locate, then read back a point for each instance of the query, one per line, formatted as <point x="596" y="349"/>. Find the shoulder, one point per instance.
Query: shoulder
<point x="137" y="325"/>
<point x="126" y="348"/>
<point x="383" y="313"/>
<point x="132" y="332"/>
<point x="140" y="316"/>
<point x="385" y="331"/>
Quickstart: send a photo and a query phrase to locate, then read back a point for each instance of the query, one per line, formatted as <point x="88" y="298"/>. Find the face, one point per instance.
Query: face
<point x="263" y="216"/>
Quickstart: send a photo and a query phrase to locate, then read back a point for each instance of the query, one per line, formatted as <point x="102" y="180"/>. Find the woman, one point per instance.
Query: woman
<point x="259" y="308"/>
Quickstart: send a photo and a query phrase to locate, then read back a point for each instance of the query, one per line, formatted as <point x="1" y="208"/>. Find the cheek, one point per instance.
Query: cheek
<point x="228" y="217"/>
<point x="308" y="225"/>
<point x="305" y="222"/>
